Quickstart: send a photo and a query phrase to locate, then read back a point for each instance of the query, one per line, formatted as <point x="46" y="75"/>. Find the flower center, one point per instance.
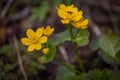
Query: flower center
<point x="69" y="12"/>
<point x="35" y="40"/>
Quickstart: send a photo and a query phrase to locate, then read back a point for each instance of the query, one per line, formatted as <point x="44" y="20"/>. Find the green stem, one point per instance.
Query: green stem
<point x="72" y="69"/>
<point x="77" y="33"/>
<point x="75" y="47"/>
<point x="78" y="56"/>
<point x="70" y="31"/>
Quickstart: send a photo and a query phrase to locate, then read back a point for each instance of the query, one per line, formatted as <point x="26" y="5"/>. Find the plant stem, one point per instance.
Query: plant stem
<point x="78" y="56"/>
<point x="75" y="47"/>
<point x="77" y="33"/>
<point x="72" y="69"/>
<point x="70" y="31"/>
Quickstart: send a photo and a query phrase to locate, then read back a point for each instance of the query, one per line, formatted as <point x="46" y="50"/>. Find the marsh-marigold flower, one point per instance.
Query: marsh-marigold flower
<point x="45" y="50"/>
<point x="34" y="40"/>
<point x="69" y="13"/>
<point x="81" y="24"/>
<point x="47" y="31"/>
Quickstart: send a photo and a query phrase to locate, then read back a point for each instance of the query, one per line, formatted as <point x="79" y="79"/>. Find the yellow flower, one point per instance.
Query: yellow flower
<point x="47" y="31"/>
<point x="45" y="50"/>
<point x="81" y="24"/>
<point x="69" y="13"/>
<point x="34" y="40"/>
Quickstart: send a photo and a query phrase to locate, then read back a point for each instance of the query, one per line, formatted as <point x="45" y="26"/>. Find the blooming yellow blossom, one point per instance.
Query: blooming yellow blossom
<point x="47" y="31"/>
<point x="69" y="13"/>
<point x="81" y="24"/>
<point x="34" y="40"/>
<point x="45" y="50"/>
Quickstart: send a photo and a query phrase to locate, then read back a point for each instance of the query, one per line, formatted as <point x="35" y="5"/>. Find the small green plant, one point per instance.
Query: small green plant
<point x="45" y="45"/>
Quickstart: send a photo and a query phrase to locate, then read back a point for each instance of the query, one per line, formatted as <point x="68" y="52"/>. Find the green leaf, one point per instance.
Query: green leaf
<point x="68" y="2"/>
<point x="109" y="44"/>
<point x="94" y="44"/>
<point x="83" y="76"/>
<point x="59" y="38"/>
<point x="64" y="74"/>
<point x="56" y="2"/>
<point x="117" y="57"/>
<point x="8" y="67"/>
<point x="64" y="36"/>
<point x="40" y="12"/>
<point x="82" y="37"/>
<point x="95" y="74"/>
<point x="49" y="56"/>
<point x="103" y="75"/>
<point x="5" y="49"/>
<point x="32" y="67"/>
<point x="54" y="40"/>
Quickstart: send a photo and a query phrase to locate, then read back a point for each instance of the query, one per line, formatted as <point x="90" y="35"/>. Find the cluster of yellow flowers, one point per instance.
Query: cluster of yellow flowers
<point x="71" y="14"/>
<point x="34" y="40"/>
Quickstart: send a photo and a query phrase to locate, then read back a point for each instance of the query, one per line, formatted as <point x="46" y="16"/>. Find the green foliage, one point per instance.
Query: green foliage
<point x="5" y="49"/>
<point x="103" y="75"/>
<point x="68" y="2"/>
<point x="59" y="38"/>
<point x="110" y="45"/>
<point x="64" y="74"/>
<point x="117" y="57"/>
<point x="82" y="37"/>
<point x="40" y="12"/>
<point x="83" y="76"/>
<point x="94" y="44"/>
<point x="49" y="56"/>
<point x="33" y="67"/>
<point x="9" y="63"/>
<point x="96" y="74"/>
<point x="56" y="2"/>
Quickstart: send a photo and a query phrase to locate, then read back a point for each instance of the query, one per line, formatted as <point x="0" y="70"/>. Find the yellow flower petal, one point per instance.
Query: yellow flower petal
<point x="43" y="28"/>
<point x="48" y="31"/>
<point x="45" y="50"/>
<point x="70" y="14"/>
<point x="43" y="39"/>
<point x="65" y="21"/>
<point x="84" y="22"/>
<point x="30" y="33"/>
<point x="39" y="32"/>
<point x="38" y="46"/>
<point x="70" y="7"/>
<point x="78" y="16"/>
<point x="26" y="41"/>
<point x="75" y="10"/>
<point x="47" y="28"/>
<point x="62" y="13"/>
<point x="62" y="6"/>
<point x="31" y="47"/>
<point x="80" y="24"/>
